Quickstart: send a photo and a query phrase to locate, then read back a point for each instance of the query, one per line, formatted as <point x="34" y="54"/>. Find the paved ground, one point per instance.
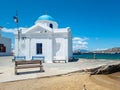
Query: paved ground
<point x="51" y="69"/>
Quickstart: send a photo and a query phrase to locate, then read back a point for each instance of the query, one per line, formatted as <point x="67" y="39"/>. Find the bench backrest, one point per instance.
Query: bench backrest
<point x="28" y="62"/>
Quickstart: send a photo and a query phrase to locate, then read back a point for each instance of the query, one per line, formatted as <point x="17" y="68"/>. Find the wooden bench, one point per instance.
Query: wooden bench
<point x="54" y="61"/>
<point x="22" y="64"/>
<point x="59" y="59"/>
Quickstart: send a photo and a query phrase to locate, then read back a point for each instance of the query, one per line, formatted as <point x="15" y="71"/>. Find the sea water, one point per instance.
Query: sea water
<point x="98" y="56"/>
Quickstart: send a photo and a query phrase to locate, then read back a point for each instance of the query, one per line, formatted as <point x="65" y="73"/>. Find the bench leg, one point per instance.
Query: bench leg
<point x="41" y="69"/>
<point x="15" y="71"/>
<point x="65" y="61"/>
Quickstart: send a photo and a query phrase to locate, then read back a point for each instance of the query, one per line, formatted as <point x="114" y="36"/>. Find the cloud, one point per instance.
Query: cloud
<point x="11" y="30"/>
<point x="79" y="39"/>
<point x="80" y="43"/>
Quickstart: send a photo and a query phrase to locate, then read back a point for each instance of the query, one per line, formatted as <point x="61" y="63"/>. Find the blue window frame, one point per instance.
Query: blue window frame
<point x="39" y="48"/>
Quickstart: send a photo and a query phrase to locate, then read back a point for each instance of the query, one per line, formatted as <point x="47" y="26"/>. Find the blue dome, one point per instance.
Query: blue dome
<point x="45" y="17"/>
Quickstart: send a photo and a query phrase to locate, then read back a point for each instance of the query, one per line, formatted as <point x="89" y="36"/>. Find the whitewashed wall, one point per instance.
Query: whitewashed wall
<point x="16" y="47"/>
<point x="46" y="48"/>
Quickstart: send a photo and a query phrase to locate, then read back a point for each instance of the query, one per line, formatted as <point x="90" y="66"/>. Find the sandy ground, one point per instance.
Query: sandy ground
<point x="7" y="68"/>
<point x="74" y="81"/>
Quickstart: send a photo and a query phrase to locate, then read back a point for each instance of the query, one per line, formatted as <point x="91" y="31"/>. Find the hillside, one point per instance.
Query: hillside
<point x="112" y="50"/>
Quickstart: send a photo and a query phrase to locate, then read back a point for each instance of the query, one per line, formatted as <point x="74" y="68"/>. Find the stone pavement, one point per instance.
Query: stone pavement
<point x="51" y="69"/>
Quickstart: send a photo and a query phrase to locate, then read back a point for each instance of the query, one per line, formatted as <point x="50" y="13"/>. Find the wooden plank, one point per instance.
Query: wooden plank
<point x="30" y="66"/>
<point x="28" y="62"/>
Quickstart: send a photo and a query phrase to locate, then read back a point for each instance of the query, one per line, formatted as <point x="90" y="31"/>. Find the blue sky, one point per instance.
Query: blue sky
<point x="95" y="24"/>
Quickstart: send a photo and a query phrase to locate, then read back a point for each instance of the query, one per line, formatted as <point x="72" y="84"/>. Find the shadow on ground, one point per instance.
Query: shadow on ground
<point x="28" y="72"/>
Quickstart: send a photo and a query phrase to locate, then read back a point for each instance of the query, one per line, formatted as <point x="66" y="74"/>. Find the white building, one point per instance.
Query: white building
<point x="5" y="46"/>
<point x="45" y="39"/>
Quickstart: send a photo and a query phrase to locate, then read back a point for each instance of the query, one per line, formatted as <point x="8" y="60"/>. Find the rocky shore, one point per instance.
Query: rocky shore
<point x="105" y="69"/>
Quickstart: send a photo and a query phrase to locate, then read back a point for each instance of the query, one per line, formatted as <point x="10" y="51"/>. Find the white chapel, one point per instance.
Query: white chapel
<point x="45" y="39"/>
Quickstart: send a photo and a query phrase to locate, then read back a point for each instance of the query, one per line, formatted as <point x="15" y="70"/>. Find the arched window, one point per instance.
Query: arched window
<point x="51" y="25"/>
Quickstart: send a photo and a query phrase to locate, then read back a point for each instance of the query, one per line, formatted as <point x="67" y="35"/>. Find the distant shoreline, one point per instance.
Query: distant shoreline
<point x="97" y="56"/>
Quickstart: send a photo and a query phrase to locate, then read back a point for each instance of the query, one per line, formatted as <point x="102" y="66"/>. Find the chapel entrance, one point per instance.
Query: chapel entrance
<point x="39" y="48"/>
